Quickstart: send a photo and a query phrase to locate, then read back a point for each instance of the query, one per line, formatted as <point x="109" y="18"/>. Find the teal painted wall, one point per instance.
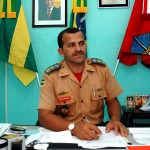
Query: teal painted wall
<point x="105" y="32"/>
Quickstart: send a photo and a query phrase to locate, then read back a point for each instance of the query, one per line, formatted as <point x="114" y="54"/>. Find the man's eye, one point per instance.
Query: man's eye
<point x="70" y="45"/>
<point x="82" y="43"/>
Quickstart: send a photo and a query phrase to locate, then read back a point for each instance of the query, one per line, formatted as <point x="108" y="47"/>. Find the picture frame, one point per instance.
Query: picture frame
<point x="140" y="100"/>
<point x="58" y="15"/>
<point x="113" y="3"/>
<point x="130" y="102"/>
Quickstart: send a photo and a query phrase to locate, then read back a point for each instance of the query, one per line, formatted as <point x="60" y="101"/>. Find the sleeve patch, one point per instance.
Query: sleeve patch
<point x="42" y="83"/>
<point x="52" y="68"/>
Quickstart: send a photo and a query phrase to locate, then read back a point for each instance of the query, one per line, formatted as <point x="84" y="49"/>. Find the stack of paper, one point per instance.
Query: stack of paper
<point x="141" y="135"/>
<point x="105" y="140"/>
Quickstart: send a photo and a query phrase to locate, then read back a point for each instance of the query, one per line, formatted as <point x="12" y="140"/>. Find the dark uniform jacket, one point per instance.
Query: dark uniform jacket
<point x="55" y="14"/>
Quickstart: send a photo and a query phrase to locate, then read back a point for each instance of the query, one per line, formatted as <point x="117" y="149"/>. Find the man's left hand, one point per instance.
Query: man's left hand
<point x="118" y="127"/>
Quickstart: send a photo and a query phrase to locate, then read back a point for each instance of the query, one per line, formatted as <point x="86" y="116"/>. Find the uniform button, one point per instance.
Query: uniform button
<point x="64" y="102"/>
<point x="99" y="96"/>
<point x="80" y="86"/>
<point x="81" y="101"/>
<point x="99" y="90"/>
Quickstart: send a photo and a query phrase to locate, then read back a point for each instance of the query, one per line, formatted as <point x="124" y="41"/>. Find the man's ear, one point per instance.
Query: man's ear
<point x="60" y="51"/>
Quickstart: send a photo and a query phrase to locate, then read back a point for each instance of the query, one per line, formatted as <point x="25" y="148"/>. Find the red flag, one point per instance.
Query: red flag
<point x="138" y="25"/>
<point x="146" y="9"/>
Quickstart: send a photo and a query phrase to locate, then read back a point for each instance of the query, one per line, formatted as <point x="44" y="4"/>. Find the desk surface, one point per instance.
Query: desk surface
<point x="68" y="145"/>
<point x="64" y="146"/>
<point x="54" y="146"/>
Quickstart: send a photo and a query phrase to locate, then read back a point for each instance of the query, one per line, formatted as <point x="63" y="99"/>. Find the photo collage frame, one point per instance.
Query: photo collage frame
<point x="136" y="100"/>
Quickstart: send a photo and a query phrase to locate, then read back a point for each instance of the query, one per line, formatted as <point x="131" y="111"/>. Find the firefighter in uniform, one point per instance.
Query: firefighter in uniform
<point x="74" y="90"/>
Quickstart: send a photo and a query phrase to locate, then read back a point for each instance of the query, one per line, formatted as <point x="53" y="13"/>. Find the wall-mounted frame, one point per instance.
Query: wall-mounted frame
<point x="130" y="102"/>
<point x="58" y="16"/>
<point x="113" y="3"/>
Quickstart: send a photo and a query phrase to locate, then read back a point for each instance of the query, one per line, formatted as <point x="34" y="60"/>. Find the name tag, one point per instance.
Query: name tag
<point x="64" y="99"/>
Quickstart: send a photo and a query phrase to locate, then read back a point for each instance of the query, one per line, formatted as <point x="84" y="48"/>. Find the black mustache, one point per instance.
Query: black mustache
<point x="77" y="53"/>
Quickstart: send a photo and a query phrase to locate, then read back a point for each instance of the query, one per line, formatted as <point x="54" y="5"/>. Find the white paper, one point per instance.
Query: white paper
<point x="49" y="136"/>
<point x="4" y="127"/>
<point x="105" y="140"/>
<point x="41" y="146"/>
<point x="141" y="135"/>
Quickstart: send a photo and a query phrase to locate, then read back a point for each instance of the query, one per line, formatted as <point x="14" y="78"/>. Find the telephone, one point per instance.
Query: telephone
<point x="146" y="106"/>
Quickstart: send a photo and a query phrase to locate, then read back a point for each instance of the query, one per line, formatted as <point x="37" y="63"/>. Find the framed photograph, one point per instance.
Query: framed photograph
<point x="140" y="100"/>
<point x="130" y="103"/>
<point x="113" y="3"/>
<point x="49" y="13"/>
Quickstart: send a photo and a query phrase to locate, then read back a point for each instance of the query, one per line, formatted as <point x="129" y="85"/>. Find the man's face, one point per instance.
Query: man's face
<point x="49" y="3"/>
<point x="74" y="48"/>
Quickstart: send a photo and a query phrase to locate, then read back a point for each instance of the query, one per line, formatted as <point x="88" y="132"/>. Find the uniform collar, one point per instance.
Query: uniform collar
<point x="88" y="65"/>
<point x="66" y="71"/>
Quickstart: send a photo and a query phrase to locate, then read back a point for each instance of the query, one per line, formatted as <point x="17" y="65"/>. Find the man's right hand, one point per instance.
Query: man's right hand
<point x="86" y="131"/>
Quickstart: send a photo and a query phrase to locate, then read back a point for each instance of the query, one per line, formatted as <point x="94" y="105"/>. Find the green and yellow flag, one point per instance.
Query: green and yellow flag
<point x="15" y="45"/>
<point x="79" y="8"/>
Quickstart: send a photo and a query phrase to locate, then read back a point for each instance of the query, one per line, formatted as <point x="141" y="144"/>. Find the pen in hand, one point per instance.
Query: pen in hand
<point x="87" y="120"/>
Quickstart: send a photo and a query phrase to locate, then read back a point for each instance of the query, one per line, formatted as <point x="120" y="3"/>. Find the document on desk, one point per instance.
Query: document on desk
<point x="105" y="140"/>
<point x="4" y="127"/>
<point x="49" y="136"/>
<point x="141" y="135"/>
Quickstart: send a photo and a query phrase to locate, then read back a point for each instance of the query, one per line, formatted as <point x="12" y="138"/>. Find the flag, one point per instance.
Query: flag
<point x="146" y="9"/>
<point x="15" y="45"/>
<point x="141" y="44"/>
<point x="138" y="25"/>
<point x="77" y="19"/>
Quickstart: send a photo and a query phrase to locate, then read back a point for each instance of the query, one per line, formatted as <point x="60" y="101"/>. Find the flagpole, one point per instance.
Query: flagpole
<point x="37" y="76"/>
<point x="117" y="63"/>
<point x="6" y="92"/>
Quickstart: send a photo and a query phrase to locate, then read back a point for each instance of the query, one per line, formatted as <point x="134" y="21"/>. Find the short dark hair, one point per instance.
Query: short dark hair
<point x="68" y="30"/>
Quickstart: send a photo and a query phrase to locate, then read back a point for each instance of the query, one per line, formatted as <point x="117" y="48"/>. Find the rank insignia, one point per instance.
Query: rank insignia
<point x="98" y="61"/>
<point x="52" y="68"/>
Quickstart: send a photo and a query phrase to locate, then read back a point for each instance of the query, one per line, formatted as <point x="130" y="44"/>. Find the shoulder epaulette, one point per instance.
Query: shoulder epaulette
<point x="52" y="68"/>
<point x="98" y="61"/>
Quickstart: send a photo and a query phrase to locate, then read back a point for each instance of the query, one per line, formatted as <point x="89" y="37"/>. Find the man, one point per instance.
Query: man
<point x="47" y="10"/>
<point x="73" y="91"/>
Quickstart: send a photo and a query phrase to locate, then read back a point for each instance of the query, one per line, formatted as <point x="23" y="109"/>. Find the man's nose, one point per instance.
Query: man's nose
<point x="78" y="48"/>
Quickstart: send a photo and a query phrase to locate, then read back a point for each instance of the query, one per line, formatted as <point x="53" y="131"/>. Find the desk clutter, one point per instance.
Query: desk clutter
<point x="40" y="138"/>
<point x="138" y="100"/>
<point x="17" y="136"/>
<point x="10" y="139"/>
<point x="135" y="117"/>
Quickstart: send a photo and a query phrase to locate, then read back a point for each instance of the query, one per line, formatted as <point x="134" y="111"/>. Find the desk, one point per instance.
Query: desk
<point x="74" y="146"/>
<point x="55" y="146"/>
<point x="64" y="146"/>
<point x="135" y="113"/>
